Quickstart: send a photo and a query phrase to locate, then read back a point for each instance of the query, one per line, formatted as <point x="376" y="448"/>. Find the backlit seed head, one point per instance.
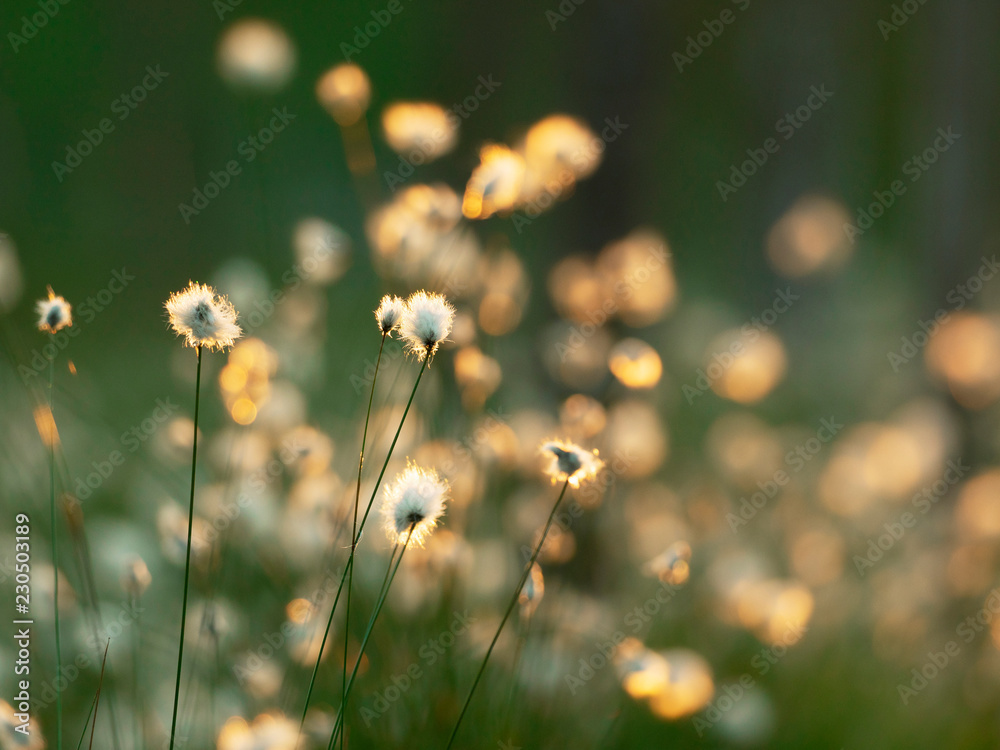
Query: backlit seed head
<point x="427" y="321"/>
<point x="54" y="313"/>
<point x="568" y="462"/>
<point x="203" y="317"/>
<point x="413" y="504"/>
<point x="389" y="314"/>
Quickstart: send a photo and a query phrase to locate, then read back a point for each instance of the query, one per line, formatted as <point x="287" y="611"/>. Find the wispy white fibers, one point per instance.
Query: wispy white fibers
<point x="389" y="314"/>
<point x="413" y="504"/>
<point x="203" y="317"/>
<point x="426" y="323"/>
<point x="54" y="313"/>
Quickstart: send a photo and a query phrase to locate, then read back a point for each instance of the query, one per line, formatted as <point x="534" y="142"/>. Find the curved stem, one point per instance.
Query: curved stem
<point x="55" y="551"/>
<point x="360" y="529"/>
<point x="510" y="608"/>
<point x="322" y="647"/>
<point x="386" y="585"/>
<point x="354" y="527"/>
<point x="187" y="561"/>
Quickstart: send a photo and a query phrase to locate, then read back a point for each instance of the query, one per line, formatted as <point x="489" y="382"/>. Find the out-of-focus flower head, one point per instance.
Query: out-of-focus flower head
<point x="54" y="313"/>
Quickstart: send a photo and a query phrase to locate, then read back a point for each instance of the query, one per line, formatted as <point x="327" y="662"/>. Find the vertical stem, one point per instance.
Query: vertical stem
<point x="354" y="527"/>
<point x="136" y="696"/>
<point x="187" y="561"/>
<point x="322" y="647"/>
<point x="55" y="550"/>
<point x="510" y="608"/>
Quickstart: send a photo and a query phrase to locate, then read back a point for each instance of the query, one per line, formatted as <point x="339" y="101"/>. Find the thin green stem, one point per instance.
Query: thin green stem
<point x="83" y="734"/>
<point x="360" y="529"/>
<point x="322" y="647"/>
<point x="97" y="698"/>
<point x="55" y="551"/>
<point x="354" y="527"/>
<point x="187" y="560"/>
<point x="392" y="446"/>
<point x="510" y="608"/>
<point x="384" y="593"/>
<point x="136" y="695"/>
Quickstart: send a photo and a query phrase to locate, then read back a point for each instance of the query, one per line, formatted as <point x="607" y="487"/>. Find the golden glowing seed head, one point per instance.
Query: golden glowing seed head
<point x="272" y="731"/>
<point x="426" y="322"/>
<point x="203" y="317"/>
<point x="389" y="314"/>
<point x="421" y="127"/>
<point x="568" y="462"/>
<point x="413" y="504"/>
<point x="635" y="364"/>
<point x="345" y="92"/>
<point x="495" y="185"/>
<point x="531" y="594"/>
<point x="54" y="313"/>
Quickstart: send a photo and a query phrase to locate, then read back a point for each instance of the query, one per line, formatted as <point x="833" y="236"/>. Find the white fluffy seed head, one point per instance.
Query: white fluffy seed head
<point x="412" y="504"/>
<point x="389" y="313"/>
<point x="54" y="313"/>
<point x="203" y="317"/>
<point x="427" y="321"/>
<point x="568" y="462"/>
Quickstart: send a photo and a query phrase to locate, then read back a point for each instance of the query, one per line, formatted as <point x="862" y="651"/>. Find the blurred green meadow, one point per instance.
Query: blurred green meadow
<point x="745" y="251"/>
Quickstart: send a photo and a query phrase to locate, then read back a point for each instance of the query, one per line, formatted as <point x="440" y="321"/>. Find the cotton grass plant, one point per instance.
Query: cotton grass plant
<point x="54" y="314"/>
<point x="571" y="465"/>
<point x="424" y="321"/>
<point x="206" y="321"/>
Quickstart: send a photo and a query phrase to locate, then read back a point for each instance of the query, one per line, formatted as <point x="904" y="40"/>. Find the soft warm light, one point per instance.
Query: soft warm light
<point x="256" y="54"/>
<point x="809" y="238"/>
<point x="636" y="364"/>
<point x="420" y="131"/>
<point x="345" y="92"/>
<point x="745" y="366"/>
<point x="495" y="184"/>
<point x="965" y="354"/>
